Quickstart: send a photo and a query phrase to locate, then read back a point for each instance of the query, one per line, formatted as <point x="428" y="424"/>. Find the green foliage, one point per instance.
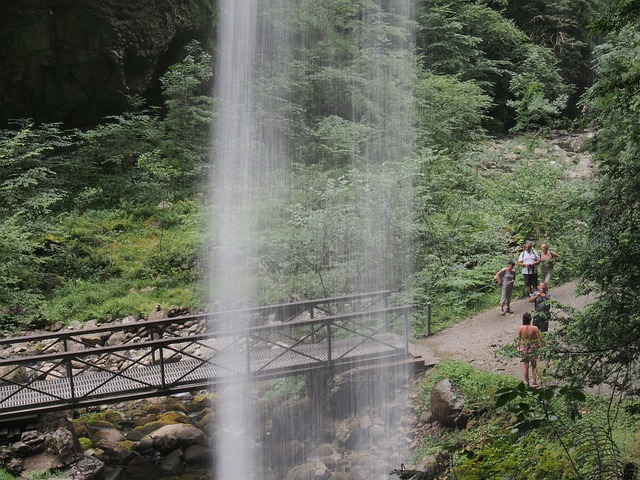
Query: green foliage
<point x="586" y="437"/>
<point x="4" y="475"/>
<point x="18" y="264"/>
<point x="554" y="432"/>
<point x="338" y="140"/>
<point x="478" y="388"/>
<point x="30" y="161"/>
<point x="561" y="26"/>
<point x="324" y="233"/>
<point x="154" y="158"/>
<point x="45" y="475"/>
<point x="188" y="118"/>
<point x="285" y="389"/>
<point x="540" y="94"/>
<point x="472" y="215"/>
<point x="474" y="43"/>
<point x="450" y="112"/>
<point x="510" y="49"/>
<point x="607" y="333"/>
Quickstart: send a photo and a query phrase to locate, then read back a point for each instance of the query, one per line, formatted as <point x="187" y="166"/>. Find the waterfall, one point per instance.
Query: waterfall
<point x="259" y="138"/>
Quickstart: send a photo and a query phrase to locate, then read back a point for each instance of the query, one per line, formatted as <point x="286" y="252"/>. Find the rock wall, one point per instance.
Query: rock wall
<point x="75" y="61"/>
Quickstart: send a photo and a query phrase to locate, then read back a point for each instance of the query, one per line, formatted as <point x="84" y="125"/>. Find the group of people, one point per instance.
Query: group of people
<point x="529" y="333"/>
<point x="529" y="260"/>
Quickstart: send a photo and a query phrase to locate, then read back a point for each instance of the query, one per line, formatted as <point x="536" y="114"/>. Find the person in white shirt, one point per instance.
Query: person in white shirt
<point x="528" y="260"/>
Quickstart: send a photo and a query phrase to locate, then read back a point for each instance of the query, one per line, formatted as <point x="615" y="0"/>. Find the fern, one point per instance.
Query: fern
<point x="596" y="453"/>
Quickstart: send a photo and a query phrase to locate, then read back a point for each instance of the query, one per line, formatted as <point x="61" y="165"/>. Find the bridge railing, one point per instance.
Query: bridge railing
<point x="155" y="361"/>
<point x="133" y="332"/>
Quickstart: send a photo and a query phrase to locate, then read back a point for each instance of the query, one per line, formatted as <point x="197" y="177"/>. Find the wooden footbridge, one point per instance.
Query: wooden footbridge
<point x="79" y="368"/>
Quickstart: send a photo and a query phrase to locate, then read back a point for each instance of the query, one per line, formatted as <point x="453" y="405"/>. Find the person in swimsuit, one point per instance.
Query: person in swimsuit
<point x="547" y="261"/>
<point x="529" y="340"/>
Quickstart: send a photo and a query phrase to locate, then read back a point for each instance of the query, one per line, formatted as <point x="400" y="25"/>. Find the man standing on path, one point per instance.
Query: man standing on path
<point x="528" y="260"/>
<point x="529" y="340"/>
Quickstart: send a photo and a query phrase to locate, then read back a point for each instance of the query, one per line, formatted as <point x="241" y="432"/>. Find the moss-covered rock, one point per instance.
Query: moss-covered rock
<point x="138" y="433"/>
<point x="174" y="417"/>
<point x="85" y="443"/>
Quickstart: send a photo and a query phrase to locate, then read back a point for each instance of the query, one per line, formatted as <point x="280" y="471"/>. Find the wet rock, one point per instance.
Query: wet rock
<point x="157" y="314"/>
<point x="12" y="374"/>
<point x="165" y="443"/>
<point x="64" y="445"/>
<point x="14" y="466"/>
<point x="88" y="468"/>
<point x="285" y="453"/>
<point x="309" y="471"/>
<point x="325" y="450"/>
<point x="42" y="462"/>
<point x="185" y="435"/>
<point x="173" y="461"/>
<point x="198" y="455"/>
<point x="117" y="338"/>
<point x="141" y="468"/>
<point x="446" y="404"/>
<point x="174" y="417"/>
<point x="346" y="432"/>
<point x="107" y="438"/>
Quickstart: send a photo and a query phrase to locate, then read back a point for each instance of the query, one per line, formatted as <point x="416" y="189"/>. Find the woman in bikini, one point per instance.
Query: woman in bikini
<point x="529" y="340"/>
<point x="547" y="261"/>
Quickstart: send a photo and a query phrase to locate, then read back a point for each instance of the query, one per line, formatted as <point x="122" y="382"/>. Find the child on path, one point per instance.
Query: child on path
<point x="506" y="277"/>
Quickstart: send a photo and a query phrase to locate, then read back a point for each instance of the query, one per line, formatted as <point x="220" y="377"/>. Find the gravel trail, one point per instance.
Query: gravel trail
<point x="476" y="339"/>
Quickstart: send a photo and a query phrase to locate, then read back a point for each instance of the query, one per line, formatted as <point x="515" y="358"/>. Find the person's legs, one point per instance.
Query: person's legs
<point x="547" y="278"/>
<point x="534" y="372"/>
<point x="507" y="297"/>
<point x="525" y="371"/>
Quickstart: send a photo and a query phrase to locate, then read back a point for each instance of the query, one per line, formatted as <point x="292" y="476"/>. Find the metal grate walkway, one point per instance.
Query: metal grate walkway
<point x="54" y="380"/>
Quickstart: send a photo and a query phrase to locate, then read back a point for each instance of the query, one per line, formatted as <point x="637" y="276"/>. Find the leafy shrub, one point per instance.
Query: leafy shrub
<point x="477" y="387"/>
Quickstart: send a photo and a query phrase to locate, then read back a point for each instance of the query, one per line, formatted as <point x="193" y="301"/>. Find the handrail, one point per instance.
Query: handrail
<point x="209" y="316"/>
<point x="148" y="367"/>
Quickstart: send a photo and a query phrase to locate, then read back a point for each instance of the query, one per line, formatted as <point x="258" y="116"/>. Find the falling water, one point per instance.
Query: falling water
<point x="254" y="153"/>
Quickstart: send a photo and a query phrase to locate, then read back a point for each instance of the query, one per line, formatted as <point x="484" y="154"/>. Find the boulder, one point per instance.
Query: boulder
<point x="447" y="404"/>
<point x="87" y="468"/>
<point x="173" y="461"/>
<point x="184" y="435"/>
<point x="309" y="471"/>
<point x="108" y="438"/>
<point x="198" y="455"/>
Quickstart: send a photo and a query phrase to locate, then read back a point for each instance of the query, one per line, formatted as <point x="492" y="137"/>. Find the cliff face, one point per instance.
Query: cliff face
<point x="75" y="61"/>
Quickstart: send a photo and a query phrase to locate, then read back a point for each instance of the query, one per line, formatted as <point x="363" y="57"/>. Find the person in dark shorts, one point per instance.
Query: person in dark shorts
<point x="541" y="307"/>
<point x="528" y="260"/>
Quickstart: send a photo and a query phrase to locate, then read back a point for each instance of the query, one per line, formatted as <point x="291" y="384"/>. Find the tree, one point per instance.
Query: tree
<point x="450" y="112"/>
<point x="540" y="94"/>
<point x="30" y="162"/>
<point x="603" y="342"/>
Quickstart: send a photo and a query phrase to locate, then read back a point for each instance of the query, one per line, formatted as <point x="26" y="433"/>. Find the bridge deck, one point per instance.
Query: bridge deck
<point x="165" y="366"/>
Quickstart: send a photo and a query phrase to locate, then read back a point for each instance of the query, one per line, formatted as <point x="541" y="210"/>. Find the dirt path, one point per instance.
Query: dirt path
<point x="476" y="340"/>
